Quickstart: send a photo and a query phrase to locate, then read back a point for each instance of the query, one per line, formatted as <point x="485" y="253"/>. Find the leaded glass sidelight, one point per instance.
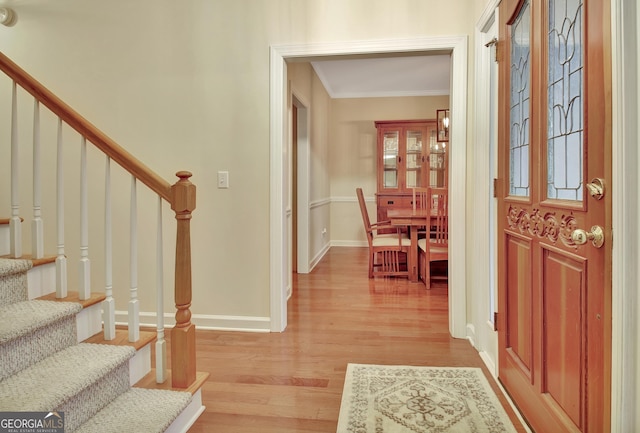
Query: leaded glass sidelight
<point x="519" y="106"/>
<point x="565" y="111"/>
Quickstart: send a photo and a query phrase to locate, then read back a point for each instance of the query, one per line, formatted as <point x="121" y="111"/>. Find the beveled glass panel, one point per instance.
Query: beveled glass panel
<point x="519" y="107"/>
<point x="414" y="159"/>
<point x="565" y="110"/>
<point x="390" y="159"/>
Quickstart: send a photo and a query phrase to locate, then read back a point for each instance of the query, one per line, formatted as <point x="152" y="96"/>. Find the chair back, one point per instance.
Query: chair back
<point x="420" y="198"/>
<point x="439" y="208"/>
<point x="365" y="215"/>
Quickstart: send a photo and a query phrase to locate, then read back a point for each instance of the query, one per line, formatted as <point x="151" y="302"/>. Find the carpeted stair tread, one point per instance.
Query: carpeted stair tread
<point x="14" y="266"/>
<point x="22" y="318"/>
<point x="50" y="383"/>
<point x="13" y="280"/>
<point x="138" y="410"/>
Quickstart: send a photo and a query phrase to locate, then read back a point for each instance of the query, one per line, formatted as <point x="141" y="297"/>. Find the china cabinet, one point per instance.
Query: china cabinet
<point x="409" y="156"/>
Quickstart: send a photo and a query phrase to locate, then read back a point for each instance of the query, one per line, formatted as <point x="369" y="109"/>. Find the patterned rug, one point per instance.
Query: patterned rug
<point x="402" y="399"/>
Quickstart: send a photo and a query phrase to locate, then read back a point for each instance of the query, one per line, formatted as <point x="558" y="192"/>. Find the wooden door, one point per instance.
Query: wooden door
<point x="554" y="323"/>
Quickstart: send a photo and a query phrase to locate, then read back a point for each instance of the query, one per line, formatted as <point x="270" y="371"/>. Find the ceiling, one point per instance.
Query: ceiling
<point x="417" y="75"/>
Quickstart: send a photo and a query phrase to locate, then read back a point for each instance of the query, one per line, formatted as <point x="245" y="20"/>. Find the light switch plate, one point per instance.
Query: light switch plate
<point x="223" y="179"/>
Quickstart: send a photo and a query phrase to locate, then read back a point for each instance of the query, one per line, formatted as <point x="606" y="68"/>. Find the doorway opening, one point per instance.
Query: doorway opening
<point x="280" y="268"/>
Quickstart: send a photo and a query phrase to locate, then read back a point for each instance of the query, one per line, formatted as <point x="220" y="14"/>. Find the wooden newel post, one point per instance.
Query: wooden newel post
<point x="183" y="335"/>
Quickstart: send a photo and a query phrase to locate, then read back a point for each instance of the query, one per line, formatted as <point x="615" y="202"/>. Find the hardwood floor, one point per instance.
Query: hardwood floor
<point x="292" y="382"/>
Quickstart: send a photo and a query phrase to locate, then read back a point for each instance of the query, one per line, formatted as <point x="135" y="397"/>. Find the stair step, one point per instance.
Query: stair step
<point x="89" y="320"/>
<point x="13" y="279"/>
<point x="94" y="298"/>
<point x="138" y="410"/>
<point x="122" y="339"/>
<point x="149" y="382"/>
<point x="10" y="266"/>
<point x="79" y="381"/>
<point x="32" y="330"/>
<point x="23" y="318"/>
<point x="140" y="364"/>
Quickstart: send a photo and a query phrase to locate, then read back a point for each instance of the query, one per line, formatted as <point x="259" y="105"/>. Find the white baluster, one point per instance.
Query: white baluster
<point x="161" y="344"/>
<point x="15" y="225"/>
<point x="84" y="280"/>
<point x="61" y="259"/>
<point x="109" y="304"/>
<point x="134" y="305"/>
<point x="37" y="237"/>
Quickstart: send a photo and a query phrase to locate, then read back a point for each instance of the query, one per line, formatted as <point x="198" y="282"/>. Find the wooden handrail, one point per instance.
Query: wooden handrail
<point x="86" y="128"/>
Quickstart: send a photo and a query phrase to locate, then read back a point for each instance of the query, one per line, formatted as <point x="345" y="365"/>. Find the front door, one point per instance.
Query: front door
<point x="554" y="191"/>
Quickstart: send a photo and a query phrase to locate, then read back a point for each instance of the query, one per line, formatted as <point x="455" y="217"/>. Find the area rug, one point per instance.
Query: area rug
<point x="403" y="399"/>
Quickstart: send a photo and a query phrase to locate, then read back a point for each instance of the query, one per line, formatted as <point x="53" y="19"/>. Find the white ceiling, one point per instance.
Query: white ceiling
<point x="383" y="77"/>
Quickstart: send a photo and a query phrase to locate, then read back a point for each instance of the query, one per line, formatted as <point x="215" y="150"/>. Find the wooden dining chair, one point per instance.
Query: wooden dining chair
<point x="435" y="245"/>
<point x="387" y="251"/>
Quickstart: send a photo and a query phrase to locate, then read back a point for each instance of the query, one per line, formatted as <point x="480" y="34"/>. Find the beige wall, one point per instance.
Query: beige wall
<point x="186" y="86"/>
<point x="353" y="154"/>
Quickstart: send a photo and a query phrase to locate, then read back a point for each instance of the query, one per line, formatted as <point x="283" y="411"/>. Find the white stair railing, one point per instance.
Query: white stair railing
<point x="109" y="304"/>
<point x="134" y="304"/>
<point x="84" y="281"/>
<point x="37" y="234"/>
<point x="15" y="225"/>
<point x="61" y="258"/>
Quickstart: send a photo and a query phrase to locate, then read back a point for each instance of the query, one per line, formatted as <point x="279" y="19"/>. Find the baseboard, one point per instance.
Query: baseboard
<point x="489" y="363"/>
<point x="204" y="321"/>
<point x="319" y="256"/>
<point x="471" y="335"/>
<point x="349" y="244"/>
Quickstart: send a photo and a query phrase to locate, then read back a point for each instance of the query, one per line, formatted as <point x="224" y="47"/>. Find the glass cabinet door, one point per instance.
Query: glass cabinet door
<point x="414" y="159"/>
<point x="390" y="159"/>
<point x="403" y="155"/>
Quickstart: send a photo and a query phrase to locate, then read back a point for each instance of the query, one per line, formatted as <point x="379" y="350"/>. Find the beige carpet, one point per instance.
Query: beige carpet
<point x="403" y="399"/>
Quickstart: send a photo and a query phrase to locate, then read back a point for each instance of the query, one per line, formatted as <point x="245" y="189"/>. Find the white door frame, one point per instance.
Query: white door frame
<point x="279" y="165"/>
<point x="480" y="329"/>
<point x="625" y="364"/>
<point x="304" y="184"/>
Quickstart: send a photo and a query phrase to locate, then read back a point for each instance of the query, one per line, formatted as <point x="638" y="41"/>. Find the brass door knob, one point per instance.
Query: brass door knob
<point x="596" y="236"/>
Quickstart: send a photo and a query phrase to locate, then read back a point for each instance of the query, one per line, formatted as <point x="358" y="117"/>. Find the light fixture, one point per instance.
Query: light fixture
<point x="7" y="17"/>
<point x="442" y="119"/>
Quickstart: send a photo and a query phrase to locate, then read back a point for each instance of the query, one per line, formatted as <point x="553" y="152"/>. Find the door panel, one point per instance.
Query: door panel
<point x="519" y="302"/>
<point x="564" y="295"/>
<point x="554" y="299"/>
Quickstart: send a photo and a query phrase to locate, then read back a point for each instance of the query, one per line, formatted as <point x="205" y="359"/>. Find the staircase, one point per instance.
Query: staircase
<point x="44" y="368"/>
<point x="73" y="352"/>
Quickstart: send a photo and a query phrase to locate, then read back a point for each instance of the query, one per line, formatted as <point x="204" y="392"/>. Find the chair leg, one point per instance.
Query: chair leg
<point x="427" y="275"/>
<point x="372" y="257"/>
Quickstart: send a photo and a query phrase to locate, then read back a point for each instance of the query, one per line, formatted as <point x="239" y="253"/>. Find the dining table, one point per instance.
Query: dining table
<point x="413" y="219"/>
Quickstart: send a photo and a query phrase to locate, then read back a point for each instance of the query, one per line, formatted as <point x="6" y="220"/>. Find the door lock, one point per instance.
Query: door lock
<point x="596" y="188"/>
<point x="596" y="236"/>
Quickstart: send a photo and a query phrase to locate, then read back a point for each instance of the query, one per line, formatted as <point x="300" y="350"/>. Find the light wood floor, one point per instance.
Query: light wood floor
<point x="292" y="382"/>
